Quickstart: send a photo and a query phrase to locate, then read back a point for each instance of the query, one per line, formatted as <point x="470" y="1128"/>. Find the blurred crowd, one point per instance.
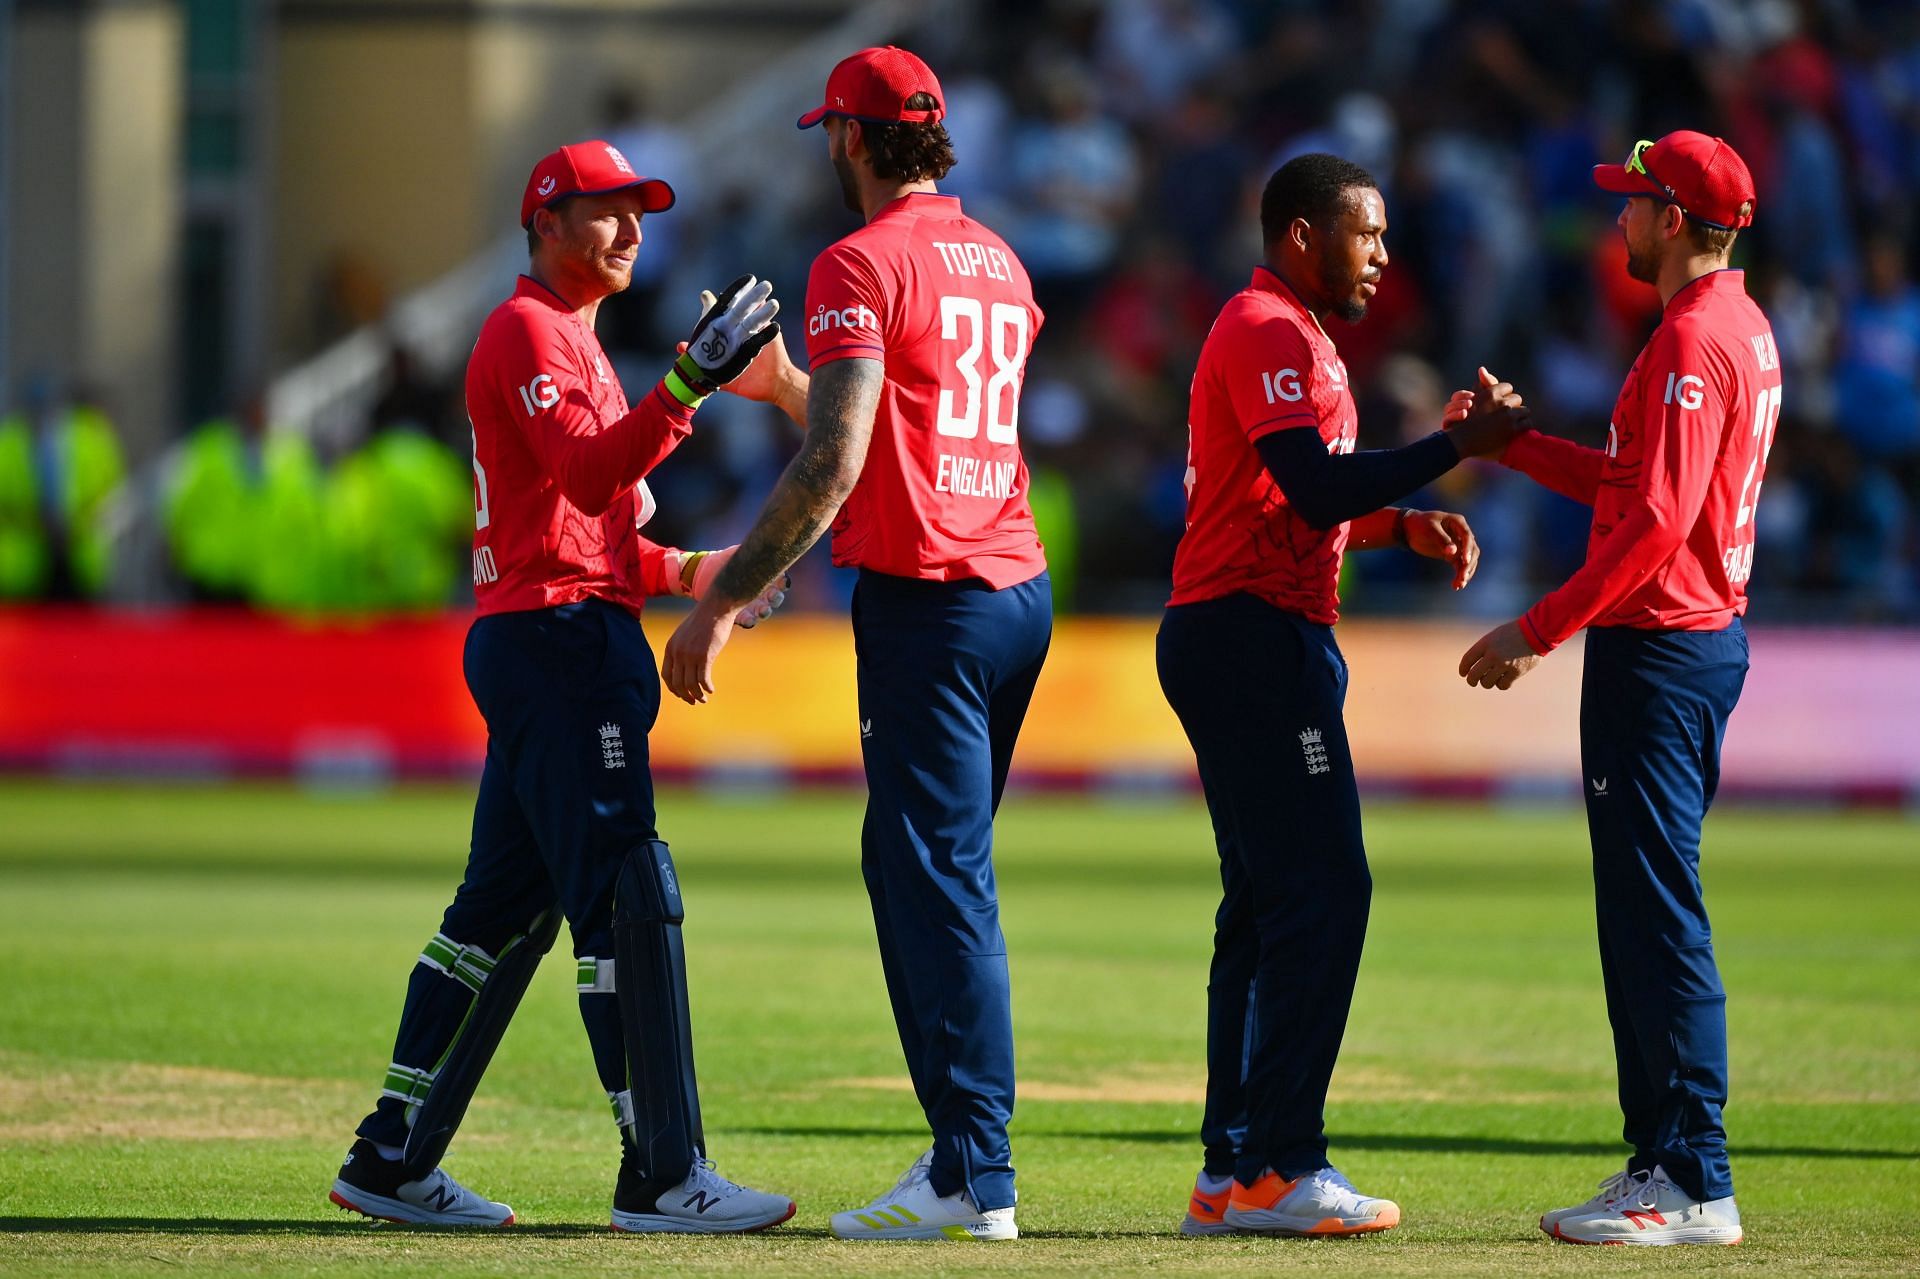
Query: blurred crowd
<point x="1120" y="146"/>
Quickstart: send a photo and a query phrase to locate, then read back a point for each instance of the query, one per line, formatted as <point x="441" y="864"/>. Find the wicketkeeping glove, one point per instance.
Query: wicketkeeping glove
<point x="733" y="331"/>
<point x="698" y="569"/>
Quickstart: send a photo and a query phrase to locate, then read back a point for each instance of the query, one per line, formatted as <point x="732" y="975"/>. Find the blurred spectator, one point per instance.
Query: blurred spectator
<point x="1877" y="375"/>
<point x="1075" y="176"/>
<point x="59" y="465"/>
<point x="1151" y="52"/>
<point x="209" y="509"/>
<point x="630" y="322"/>
<point x="412" y="398"/>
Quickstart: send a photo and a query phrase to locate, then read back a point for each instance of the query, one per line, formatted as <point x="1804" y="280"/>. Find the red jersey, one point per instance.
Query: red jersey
<point x="945" y="304"/>
<point x="557" y="462"/>
<point x="1266" y="366"/>
<point x="1673" y="495"/>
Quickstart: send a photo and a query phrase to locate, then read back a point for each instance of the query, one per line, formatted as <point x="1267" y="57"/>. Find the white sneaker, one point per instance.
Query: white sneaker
<point x="1655" y="1212"/>
<point x="1318" y="1203"/>
<point x="912" y="1211"/>
<point x="1612" y="1190"/>
<point x="371" y="1186"/>
<point x="707" y="1204"/>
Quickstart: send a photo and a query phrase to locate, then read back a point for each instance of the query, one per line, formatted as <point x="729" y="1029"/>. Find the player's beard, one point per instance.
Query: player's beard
<point x="849" y="185"/>
<point x="1643" y="262"/>
<point x="615" y="276"/>
<point x="1352" y="306"/>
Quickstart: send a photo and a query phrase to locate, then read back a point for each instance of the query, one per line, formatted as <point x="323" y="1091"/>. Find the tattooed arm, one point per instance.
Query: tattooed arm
<point x="840" y="408"/>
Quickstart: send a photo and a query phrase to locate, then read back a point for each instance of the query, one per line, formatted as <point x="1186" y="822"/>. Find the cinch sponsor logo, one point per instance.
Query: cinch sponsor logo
<point x="852" y="317"/>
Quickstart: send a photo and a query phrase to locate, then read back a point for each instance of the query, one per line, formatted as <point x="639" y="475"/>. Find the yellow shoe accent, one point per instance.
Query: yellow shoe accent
<point x="912" y="1219"/>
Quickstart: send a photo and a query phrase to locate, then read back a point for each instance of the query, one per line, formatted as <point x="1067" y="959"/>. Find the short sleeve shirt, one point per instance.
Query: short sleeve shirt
<point x="945" y="305"/>
<point x="1265" y="366"/>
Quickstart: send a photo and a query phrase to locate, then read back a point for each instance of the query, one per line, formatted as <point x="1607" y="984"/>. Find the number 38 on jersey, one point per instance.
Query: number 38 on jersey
<point x="1000" y="329"/>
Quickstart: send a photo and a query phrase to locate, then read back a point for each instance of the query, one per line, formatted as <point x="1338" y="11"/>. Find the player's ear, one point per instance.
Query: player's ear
<point x="854" y="135"/>
<point x="1300" y="234"/>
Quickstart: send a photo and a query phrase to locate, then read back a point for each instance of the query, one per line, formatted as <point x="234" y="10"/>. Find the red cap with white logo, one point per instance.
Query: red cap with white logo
<point x="1703" y="175"/>
<point x="589" y="168"/>
<point x="874" y="84"/>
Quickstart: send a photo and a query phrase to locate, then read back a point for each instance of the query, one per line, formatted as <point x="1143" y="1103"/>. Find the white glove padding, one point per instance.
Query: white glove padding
<point x="733" y="329"/>
<point x="696" y="574"/>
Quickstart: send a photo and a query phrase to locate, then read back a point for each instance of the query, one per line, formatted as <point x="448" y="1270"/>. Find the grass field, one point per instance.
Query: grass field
<point x="200" y="987"/>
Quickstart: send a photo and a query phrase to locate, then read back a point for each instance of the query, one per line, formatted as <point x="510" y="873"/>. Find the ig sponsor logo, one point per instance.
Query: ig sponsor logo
<point x="1284" y="385"/>
<point x="1686" y="390"/>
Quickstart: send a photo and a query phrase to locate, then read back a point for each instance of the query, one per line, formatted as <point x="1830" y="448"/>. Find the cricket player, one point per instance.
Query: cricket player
<point x="1661" y="595"/>
<point x="1276" y="495"/>
<point x="559" y="668"/>
<point x="918" y="329"/>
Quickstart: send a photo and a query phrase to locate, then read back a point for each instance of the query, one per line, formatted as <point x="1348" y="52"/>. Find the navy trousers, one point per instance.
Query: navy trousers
<point x="1653" y="714"/>
<point x="1261" y="693"/>
<point x="946" y="670"/>
<point x="569" y="695"/>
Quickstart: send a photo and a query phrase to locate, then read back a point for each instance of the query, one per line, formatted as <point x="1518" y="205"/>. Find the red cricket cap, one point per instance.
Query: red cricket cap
<point x="589" y="168"/>
<point x="874" y="84"/>
<point x="1703" y="175"/>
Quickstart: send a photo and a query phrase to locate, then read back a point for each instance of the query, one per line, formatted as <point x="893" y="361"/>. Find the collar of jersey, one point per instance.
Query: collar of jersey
<point x="1268" y="280"/>
<point x="1724" y="280"/>
<point x="528" y="287"/>
<point x="901" y="204"/>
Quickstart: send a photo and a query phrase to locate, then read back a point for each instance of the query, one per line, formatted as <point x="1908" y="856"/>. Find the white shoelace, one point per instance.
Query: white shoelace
<point x="459" y="1193"/>
<point x="705" y="1176"/>
<point x="1649" y="1193"/>
<point x="1335" y="1178"/>
<point x="1616" y="1187"/>
<point x="918" y="1171"/>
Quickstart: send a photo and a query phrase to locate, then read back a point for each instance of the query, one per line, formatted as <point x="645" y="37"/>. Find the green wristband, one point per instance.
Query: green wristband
<point x="681" y="387"/>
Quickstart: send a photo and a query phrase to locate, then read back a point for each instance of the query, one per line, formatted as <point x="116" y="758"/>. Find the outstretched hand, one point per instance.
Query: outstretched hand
<point x="771" y="377"/>
<point x="1494" y="414"/>
<point x="1443" y="535"/>
<point x="686" y="664"/>
<point x="1498" y="658"/>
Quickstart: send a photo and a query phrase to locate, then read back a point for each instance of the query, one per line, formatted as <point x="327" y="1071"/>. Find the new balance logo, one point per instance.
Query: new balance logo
<point x="1640" y="1217"/>
<point x="700" y="1201"/>
<point x="442" y="1198"/>
<point x="613" y="752"/>
<point x="1315" y="752"/>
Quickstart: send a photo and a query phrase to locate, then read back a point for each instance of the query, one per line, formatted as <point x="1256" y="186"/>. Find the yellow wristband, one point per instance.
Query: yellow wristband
<point x="687" y="566"/>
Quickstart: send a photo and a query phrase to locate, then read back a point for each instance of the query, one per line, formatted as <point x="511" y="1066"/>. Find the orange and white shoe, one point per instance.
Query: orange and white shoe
<point x="1207" y="1207"/>
<point x="1655" y="1213"/>
<point x="1315" y="1203"/>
